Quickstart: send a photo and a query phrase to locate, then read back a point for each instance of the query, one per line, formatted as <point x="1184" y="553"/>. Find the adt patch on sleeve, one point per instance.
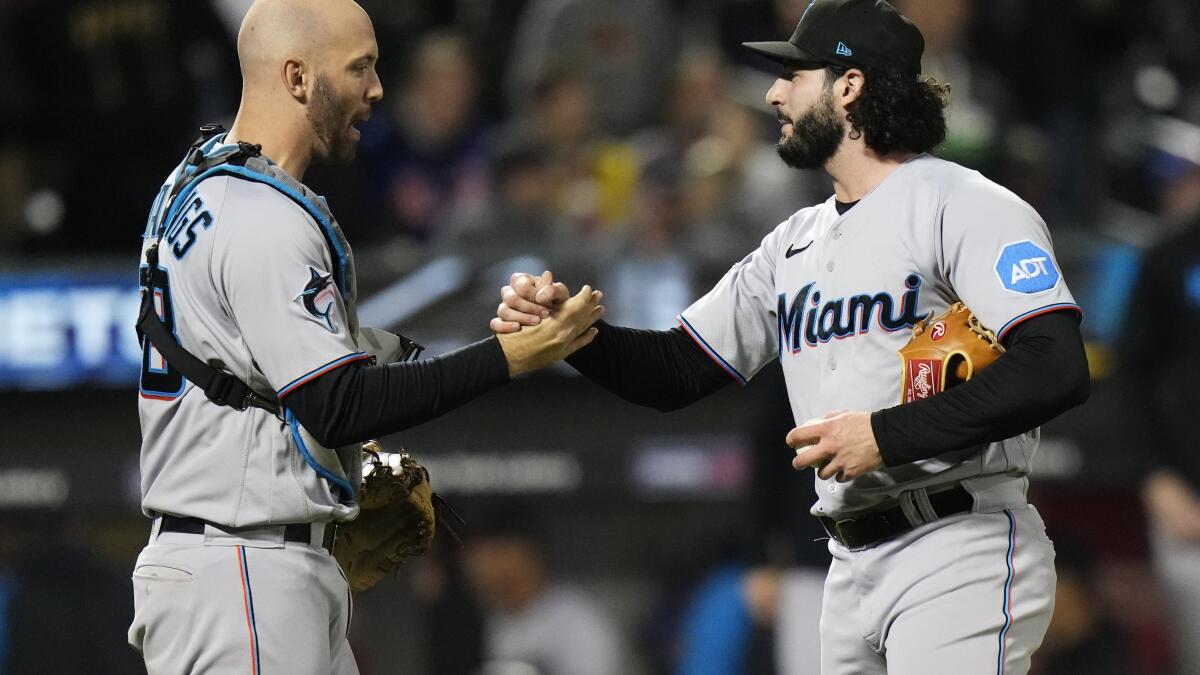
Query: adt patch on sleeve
<point x="1025" y="267"/>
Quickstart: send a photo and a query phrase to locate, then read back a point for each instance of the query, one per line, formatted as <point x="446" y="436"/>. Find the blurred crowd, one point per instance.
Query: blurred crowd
<point x="626" y="143"/>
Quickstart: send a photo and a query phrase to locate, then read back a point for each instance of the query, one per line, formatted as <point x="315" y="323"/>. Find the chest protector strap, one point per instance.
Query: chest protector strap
<point x="220" y="387"/>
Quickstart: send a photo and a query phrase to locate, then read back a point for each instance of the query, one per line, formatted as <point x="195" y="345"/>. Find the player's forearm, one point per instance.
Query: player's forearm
<point x="654" y="368"/>
<point x="356" y="403"/>
<point x="1043" y="374"/>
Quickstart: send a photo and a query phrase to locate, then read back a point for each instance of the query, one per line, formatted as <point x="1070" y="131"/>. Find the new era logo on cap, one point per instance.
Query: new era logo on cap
<point x="881" y="36"/>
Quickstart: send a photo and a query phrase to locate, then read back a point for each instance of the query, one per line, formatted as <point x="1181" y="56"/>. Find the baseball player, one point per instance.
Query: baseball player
<point x="939" y="563"/>
<point x="258" y="384"/>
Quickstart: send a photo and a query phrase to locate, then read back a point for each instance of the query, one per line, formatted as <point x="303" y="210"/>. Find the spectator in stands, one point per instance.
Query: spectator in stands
<point x="521" y="219"/>
<point x="735" y="191"/>
<point x="625" y="48"/>
<point x="547" y="626"/>
<point x="732" y="183"/>
<point x="648" y="276"/>
<point x="595" y="174"/>
<point x="426" y="154"/>
<point x="1160" y="364"/>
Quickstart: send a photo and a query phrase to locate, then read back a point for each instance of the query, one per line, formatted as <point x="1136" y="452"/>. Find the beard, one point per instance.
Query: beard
<point x="816" y="136"/>
<point x="330" y="121"/>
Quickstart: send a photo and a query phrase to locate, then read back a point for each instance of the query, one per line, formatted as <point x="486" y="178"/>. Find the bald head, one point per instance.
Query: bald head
<point x="317" y="33"/>
<point x="308" y="79"/>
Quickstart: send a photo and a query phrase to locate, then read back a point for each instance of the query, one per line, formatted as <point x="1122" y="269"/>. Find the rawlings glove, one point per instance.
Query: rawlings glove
<point x="396" y="519"/>
<point x="945" y="350"/>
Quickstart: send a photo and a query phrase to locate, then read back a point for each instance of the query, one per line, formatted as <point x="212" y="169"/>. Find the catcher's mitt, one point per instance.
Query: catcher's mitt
<point x="396" y="519"/>
<point x="945" y="350"/>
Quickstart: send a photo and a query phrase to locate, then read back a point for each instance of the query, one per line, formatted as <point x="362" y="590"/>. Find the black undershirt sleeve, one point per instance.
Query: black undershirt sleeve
<point x="662" y="369"/>
<point x="1043" y="373"/>
<point x="358" y="402"/>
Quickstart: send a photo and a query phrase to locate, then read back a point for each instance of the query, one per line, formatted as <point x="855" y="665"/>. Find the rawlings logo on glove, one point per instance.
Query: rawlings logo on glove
<point x="945" y="350"/>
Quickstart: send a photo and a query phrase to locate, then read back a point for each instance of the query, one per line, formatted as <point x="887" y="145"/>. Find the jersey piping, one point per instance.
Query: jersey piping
<point x="1037" y="312"/>
<point x="319" y="371"/>
<point x="712" y="353"/>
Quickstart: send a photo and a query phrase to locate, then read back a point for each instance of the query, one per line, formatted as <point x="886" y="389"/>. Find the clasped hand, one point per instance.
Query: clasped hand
<point x="557" y="324"/>
<point x="841" y="445"/>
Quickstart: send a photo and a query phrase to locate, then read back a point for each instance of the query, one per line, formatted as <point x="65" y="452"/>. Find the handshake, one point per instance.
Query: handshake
<point x="538" y="322"/>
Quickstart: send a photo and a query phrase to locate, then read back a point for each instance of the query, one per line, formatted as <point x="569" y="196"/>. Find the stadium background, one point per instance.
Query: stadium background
<point x="623" y="143"/>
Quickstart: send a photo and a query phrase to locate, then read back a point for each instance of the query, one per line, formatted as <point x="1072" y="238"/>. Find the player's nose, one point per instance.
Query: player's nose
<point x="775" y="93"/>
<point x="375" y="88"/>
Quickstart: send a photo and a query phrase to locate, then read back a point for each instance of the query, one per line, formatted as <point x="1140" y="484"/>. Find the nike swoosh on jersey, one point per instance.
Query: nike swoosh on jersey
<point x="793" y="251"/>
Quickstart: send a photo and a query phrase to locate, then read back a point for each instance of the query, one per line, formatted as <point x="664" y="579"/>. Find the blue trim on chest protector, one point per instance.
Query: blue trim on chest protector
<point x="347" y="490"/>
<point x="247" y="174"/>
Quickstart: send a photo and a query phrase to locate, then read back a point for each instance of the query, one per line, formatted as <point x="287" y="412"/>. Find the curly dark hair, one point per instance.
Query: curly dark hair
<point x="897" y="112"/>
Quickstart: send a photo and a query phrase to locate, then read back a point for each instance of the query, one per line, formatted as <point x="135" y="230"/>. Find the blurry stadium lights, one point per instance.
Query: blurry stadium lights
<point x="33" y="487"/>
<point x="693" y="468"/>
<point x="1177" y="137"/>
<point x="505" y="473"/>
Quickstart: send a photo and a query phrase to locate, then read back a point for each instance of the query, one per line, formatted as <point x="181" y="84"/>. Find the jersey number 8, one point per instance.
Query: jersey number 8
<point x="159" y="380"/>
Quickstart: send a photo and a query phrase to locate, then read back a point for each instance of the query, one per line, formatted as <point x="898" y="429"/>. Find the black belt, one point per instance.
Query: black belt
<point x="870" y="528"/>
<point x="298" y="532"/>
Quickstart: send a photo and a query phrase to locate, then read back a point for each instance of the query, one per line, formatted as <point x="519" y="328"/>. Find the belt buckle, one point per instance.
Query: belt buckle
<point x="839" y="531"/>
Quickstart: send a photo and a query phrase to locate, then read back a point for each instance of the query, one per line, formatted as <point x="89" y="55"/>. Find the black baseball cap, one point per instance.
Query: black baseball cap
<point x="851" y="34"/>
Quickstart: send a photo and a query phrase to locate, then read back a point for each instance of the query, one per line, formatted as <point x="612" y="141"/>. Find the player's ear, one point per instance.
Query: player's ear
<point x="295" y="77"/>
<point x="848" y="88"/>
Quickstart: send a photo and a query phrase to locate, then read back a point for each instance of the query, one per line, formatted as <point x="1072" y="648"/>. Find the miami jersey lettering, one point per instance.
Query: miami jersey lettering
<point x="832" y="296"/>
<point x="841" y="318"/>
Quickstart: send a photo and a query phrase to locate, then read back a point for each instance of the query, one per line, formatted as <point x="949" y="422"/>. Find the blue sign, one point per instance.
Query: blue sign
<point x="60" y="330"/>
<point x="1025" y="267"/>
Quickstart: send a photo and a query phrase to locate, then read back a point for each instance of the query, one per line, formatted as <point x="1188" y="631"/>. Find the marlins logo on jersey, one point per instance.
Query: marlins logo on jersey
<point x="319" y="297"/>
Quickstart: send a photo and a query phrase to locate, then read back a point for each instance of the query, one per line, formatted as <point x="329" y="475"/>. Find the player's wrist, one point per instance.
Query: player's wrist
<point x="512" y="350"/>
<point x="879" y="429"/>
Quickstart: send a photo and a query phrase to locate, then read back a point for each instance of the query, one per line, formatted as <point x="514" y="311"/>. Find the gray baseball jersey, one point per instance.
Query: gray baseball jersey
<point x="257" y="280"/>
<point x="833" y="297"/>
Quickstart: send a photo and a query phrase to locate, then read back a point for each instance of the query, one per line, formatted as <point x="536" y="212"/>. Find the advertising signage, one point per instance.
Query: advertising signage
<point x="60" y="330"/>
